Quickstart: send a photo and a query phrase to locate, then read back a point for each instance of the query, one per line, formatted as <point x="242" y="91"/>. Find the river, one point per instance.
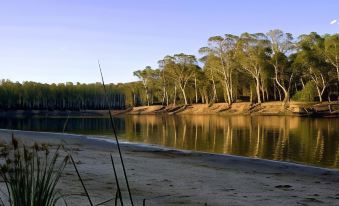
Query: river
<point x="311" y="141"/>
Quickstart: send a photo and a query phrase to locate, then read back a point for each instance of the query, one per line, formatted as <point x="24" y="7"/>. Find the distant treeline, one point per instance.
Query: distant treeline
<point x="69" y="96"/>
<point x="251" y="67"/>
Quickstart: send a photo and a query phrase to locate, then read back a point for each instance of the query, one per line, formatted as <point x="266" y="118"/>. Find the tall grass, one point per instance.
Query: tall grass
<point x="31" y="175"/>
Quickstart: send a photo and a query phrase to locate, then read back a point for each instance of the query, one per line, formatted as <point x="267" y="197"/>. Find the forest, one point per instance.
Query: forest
<point x="256" y="68"/>
<point x="69" y="96"/>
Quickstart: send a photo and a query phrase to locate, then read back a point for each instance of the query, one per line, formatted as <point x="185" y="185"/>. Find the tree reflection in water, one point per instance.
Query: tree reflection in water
<point x="305" y="140"/>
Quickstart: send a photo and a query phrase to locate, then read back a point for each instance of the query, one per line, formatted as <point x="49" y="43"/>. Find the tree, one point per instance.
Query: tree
<point x="164" y="82"/>
<point x="253" y="52"/>
<point x="210" y="63"/>
<point x="331" y="52"/>
<point x="223" y="49"/>
<point x="281" y="44"/>
<point x="181" y="69"/>
<point x="311" y="58"/>
<point x="145" y="76"/>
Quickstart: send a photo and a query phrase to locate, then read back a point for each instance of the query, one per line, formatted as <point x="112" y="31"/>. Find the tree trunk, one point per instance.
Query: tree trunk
<point x="167" y="99"/>
<point x="231" y="88"/>
<point x="267" y="96"/>
<point x="215" y="95"/>
<point x="257" y="81"/>
<point x="147" y="97"/>
<point x="202" y="97"/>
<point x="319" y="94"/>
<point x="226" y="82"/>
<point x="302" y="82"/>
<point x="286" y="91"/>
<point x="206" y="98"/>
<point x="196" y="89"/>
<point x="227" y="92"/>
<point x="262" y="90"/>
<point x="274" y="91"/>
<point x="175" y="95"/>
<point x="184" y="94"/>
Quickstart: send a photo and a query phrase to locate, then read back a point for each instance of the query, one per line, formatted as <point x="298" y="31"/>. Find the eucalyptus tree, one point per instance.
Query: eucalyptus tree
<point x="158" y="84"/>
<point x="310" y="58"/>
<point x="210" y="63"/>
<point x="253" y="53"/>
<point x="331" y="51"/>
<point x="196" y="74"/>
<point x="132" y="93"/>
<point x="282" y="45"/>
<point x="164" y="82"/>
<point x="223" y="49"/>
<point x="205" y="85"/>
<point x="180" y="68"/>
<point x="145" y="76"/>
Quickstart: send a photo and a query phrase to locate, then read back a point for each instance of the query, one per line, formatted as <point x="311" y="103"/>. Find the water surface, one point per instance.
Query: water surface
<point x="303" y="140"/>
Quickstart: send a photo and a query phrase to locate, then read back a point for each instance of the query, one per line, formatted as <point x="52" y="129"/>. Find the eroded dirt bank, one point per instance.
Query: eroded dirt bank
<point x="245" y="108"/>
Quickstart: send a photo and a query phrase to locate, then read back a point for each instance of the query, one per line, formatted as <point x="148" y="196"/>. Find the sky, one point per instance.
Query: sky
<point x="61" y="40"/>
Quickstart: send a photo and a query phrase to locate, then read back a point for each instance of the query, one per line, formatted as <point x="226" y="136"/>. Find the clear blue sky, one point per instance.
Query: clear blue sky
<point x="61" y="40"/>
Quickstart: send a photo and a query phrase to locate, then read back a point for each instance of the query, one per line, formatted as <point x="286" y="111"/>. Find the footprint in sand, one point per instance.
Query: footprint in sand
<point x="311" y="199"/>
<point x="166" y="180"/>
<point x="227" y="189"/>
<point x="284" y="187"/>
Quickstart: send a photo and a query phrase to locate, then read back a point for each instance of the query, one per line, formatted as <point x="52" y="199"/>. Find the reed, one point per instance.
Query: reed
<point x="31" y="175"/>
<point x="82" y="182"/>
<point x="117" y="142"/>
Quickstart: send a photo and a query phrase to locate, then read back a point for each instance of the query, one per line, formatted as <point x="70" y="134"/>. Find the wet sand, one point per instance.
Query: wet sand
<point x="171" y="177"/>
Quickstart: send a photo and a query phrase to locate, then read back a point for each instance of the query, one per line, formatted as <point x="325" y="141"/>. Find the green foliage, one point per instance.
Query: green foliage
<point x="307" y="94"/>
<point x="69" y="96"/>
<point x="181" y="69"/>
<point x="31" y="175"/>
<point x="150" y="79"/>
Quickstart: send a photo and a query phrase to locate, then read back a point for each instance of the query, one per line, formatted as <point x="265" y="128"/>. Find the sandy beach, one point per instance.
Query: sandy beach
<point x="170" y="177"/>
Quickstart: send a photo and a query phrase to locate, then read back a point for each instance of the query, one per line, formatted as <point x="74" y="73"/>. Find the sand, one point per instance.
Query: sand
<point x="170" y="177"/>
<point x="245" y="108"/>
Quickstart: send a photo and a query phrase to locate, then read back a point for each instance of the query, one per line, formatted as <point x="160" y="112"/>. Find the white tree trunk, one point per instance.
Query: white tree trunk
<point x="184" y="94"/>
<point x="257" y="81"/>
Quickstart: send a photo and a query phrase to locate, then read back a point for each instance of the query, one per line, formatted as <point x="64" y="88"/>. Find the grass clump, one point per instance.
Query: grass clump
<point x="31" y="175"/>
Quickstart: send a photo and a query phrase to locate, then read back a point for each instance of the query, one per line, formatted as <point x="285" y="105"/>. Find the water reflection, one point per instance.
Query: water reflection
<point x="311" y="141"/>
<point x="304" y="140"/>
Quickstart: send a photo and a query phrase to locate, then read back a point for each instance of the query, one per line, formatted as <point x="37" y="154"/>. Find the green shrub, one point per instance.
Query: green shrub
<point x="307" y="94"/>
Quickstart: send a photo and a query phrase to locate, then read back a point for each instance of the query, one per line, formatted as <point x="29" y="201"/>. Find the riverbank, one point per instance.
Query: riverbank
<point x="312" y="109"/>
<point x="171" y="177"/>
<point x="246" y="108"/>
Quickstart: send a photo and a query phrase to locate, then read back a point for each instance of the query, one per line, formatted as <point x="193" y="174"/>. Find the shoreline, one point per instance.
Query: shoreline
<point x="304" y="109"/>
<point x="170" y="177"/>
<point x="310" y="109"/>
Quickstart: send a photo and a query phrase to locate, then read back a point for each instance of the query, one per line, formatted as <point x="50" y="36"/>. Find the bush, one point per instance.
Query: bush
<point x="307" y="94"/>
